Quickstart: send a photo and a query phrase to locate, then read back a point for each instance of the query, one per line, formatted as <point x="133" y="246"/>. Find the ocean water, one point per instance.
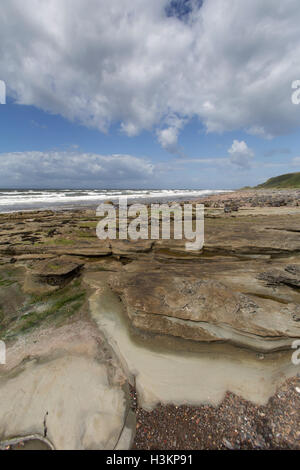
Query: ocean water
<point x="22" y="200"/>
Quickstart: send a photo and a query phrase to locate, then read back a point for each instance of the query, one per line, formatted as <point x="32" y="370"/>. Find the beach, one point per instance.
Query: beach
<point x="156" y="347"/>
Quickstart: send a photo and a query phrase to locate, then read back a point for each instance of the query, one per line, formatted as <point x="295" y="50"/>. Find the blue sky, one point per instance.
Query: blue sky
<point x="164" y="96"/>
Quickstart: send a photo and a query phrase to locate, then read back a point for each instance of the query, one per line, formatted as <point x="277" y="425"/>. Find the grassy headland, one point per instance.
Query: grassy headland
<point x="288" y="181"/>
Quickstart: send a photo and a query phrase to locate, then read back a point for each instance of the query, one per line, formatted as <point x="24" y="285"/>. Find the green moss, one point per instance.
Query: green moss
<point x="6" y="282"/>
<point x="84" y="234"/>
<point x="54" y="267"/>
<point x="66" y="306"/>
<point x="89" y="225"/>
<point x="54" y="307"/>
<point x="61" y="241"/>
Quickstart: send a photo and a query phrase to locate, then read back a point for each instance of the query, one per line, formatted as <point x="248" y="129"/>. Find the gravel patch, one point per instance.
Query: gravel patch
<point x="234" y="424"/>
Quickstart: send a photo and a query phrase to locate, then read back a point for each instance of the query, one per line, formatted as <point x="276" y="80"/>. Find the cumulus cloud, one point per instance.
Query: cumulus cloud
<point x="240" y="154"/>
<point x="136" y="62"/>
<point x="72" y="169"/>
<point x="168" y="137"/>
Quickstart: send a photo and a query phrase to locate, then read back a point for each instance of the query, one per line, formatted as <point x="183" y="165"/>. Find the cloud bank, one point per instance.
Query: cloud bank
<point x="71" y="169"/>
<point x="74" y="169"/>
<point x="155" y="65"/>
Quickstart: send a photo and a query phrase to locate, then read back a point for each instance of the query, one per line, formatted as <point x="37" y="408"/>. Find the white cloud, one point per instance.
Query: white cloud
<point x="230" y="63"/>
<point x="240" y="154"/>
<point x="168" y="137"/>
<point x="259" y="131"/>
<point x="296" y="162"/>
<point x="73" y="169"/>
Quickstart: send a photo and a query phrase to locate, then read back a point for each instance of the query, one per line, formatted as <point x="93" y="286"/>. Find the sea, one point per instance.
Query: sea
<point x="12" y="200"/>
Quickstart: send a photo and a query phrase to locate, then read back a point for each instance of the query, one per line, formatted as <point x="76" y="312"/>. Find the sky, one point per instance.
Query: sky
<point x="137" y="94"/>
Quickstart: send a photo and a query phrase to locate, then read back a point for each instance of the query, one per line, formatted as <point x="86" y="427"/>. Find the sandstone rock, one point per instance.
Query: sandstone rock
<point x="68" y="400"/>
<point x="165" y="369"/>
<point x="126" y="247"/>
<point x="205" y="310"/>
<point x="61" y="267"/>
<point x="289" y="277"/>
<point x="56" y="272"/>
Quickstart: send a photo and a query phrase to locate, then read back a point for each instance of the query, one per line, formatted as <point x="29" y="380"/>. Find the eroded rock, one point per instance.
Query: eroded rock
<point x="205" y="310"/>
<point x="65" y="386"/>
<point x="68" y="400"/>
<point x="51" y="274"/>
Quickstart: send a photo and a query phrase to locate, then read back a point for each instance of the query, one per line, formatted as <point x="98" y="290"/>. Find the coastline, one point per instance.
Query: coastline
<point x="62" y="287"/>
<point x="56" y="200"/>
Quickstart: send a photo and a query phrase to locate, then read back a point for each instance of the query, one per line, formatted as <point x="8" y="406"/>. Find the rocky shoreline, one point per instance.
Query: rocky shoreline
<point x="205" y="337"/>
<point x="255" y="198"/>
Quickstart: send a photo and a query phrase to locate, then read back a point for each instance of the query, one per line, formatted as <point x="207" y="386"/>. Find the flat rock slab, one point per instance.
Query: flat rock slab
<point x="124" y="247"/>
<point x="51" y="274"/>
<point x="69" y="400"/>
<point x="60" y="266"/>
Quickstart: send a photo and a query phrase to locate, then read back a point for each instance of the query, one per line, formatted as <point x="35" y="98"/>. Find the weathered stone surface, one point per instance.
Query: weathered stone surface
<point x="126" y="247"/>
<point x="205" y="310"/>
<point x="98" y="250"/>
<point x="53" y="273"/>
<point x="165" y="369"/>
<point x="63" y="383"/>
<point x="68" y="400"/>
<point x="57" y="267"/>
<point x="289" y="277"/>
